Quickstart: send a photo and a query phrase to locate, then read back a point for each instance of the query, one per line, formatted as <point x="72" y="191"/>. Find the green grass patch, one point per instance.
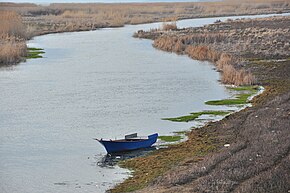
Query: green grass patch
<point x="251" y="89"/>
<point x="172" y="138"/>
<point x="34" y="49"/>
<point x="195" y="115"/>
<point x="180" y="132"/>
<point x="34" y="53"/>
<point x="242" y="98"/>
<point x="147" y="168"/>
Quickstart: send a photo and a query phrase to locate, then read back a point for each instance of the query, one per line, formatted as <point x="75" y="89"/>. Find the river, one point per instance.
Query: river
<point x="103" y="84"/>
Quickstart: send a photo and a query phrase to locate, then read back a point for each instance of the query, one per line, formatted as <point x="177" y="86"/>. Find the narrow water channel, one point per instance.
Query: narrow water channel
<point x="92" y="84"/>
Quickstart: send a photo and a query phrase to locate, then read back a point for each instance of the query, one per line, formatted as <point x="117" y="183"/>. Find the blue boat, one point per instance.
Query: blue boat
<point x="131" y="142"/>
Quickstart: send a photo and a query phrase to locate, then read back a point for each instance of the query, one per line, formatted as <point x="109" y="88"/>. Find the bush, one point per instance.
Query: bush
<point x="11" y="24"/>
<point x="12" y="52"/>
<point x="169" y="26"/>
<point x="12" y="38"/>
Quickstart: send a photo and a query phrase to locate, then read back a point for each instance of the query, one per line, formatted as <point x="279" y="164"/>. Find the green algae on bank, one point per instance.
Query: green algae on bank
<point x="200" y="143"/>
<point x="170" y="138"/>
<point x="34" y="53"/>
<point x="180" y="132"/>
<point x="147" y="168"/>
<point x="195" y="115"/>
<point x="245" y="88"/>
<point x="240" y="99"/>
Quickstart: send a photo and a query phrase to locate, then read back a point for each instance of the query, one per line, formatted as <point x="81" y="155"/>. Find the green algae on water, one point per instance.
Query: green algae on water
<point x="245" y="88"/>
<point x="195" y="115"/>
<point x="172" y="138"/>
<point x="180" y="132"/>
<point x="34" y="53"/>
<point x="242" y="98"/>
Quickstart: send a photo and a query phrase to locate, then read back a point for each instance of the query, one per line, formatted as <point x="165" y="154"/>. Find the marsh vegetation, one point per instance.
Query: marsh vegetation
<point x="258" y="137"/>
<point x="196" y="115"/>
<point x="247" y="151"/>
<point x="22" y="21"/>
<point x="34" y="53"/>
<point x="12" y="38"/>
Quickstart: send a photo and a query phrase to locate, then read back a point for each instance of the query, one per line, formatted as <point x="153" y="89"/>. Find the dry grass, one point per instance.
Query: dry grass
<point x="224" y="62"/>
<point x="59" y="17"/>
<point x="257" y="159"/>
<point x="203" y="53"/>
<point x="89" y="16"/>
<point x="224" y="43"/>
<point x="11" y="25"/>
<point x="230" y="75"/>
<point x="169" y="26"/>
<point x="12" y="52"/>
<point x="12" y="38"/>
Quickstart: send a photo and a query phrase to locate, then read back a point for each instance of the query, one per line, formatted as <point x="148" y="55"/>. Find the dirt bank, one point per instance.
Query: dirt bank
<point x="70" y="17"/>
<point x="60" y="17"/>
<point x="258" y="158"/>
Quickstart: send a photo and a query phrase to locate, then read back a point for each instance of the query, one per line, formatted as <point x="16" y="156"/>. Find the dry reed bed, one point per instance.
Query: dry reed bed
<point x="225" y="44"/>
<point x="78" y="17"/>
<point x="240" y="37"/>
<point x="224" y="62"/>
<point x="89" y="16"/>
<point x="12" y="38"/>
<point x="258" y="157"/>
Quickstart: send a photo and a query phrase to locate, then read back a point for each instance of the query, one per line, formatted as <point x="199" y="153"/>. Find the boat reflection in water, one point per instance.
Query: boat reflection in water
<point x="110" y="160"/>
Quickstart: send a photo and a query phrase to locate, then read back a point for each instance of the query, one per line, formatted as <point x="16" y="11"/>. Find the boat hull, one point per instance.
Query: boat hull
<point x="121" y="146"/>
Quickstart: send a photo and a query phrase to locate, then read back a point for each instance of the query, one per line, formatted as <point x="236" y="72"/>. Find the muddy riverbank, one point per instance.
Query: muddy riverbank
<point x="245" y="152"/>
<point x="271" y="74"/>
<point x="22" y="21"/>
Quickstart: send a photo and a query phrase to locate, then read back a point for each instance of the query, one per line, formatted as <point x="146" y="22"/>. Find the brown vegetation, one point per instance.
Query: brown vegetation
<point x="11" y="25"/>
<point x="169" y="26"/>
<point x="236" y="39"/>
<point x="12" y="52"/>
<point x="258" y="137"/>
<point x="224" y="62"/>
<point x="12" y="38"/>
<point x="60" y="17"/>
<point x="256" y="158"/>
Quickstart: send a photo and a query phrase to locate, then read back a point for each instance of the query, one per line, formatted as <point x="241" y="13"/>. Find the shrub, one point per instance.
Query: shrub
<point x="11" y="24"/>
<point x="12" y="38"/>
<point x="12" y="52"/>
<point x="169" y="26"/>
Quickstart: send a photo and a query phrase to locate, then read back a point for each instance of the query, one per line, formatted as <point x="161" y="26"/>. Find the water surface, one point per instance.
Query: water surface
<point x="101" y="84"/>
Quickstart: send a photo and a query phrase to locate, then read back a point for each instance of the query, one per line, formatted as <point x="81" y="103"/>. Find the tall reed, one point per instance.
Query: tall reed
<point x="12" y="52"/>
<point x="224" y="62"/>
<point x="11" y="24"/>
<point x="12" y="38"/>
